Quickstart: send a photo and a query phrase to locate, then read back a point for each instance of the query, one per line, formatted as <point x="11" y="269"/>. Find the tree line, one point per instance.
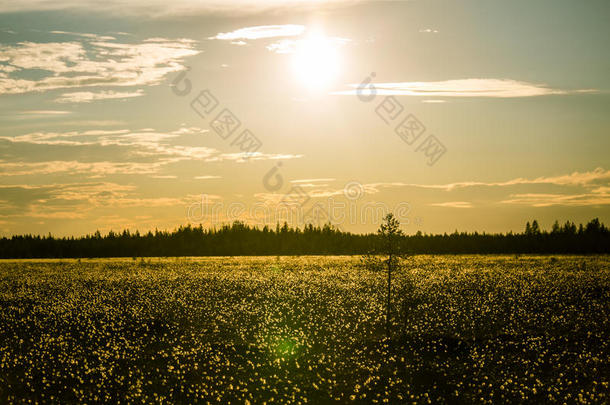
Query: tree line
<point x="241" y="239"/>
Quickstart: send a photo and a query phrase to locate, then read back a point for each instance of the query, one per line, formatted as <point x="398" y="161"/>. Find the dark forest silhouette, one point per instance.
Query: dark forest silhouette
<point x="241" y="239"/>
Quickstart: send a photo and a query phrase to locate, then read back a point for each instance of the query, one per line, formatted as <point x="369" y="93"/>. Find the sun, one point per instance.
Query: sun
<point x="315" y="62"/>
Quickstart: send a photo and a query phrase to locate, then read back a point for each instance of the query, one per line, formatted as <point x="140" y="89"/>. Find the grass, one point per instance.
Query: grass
<point x="474" y="329"/>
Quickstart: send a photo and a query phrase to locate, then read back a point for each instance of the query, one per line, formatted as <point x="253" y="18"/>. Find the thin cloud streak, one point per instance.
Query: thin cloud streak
<point x="594" y="190"/>
<point x="89" y="96"/>
<point x="85" y="35"/>
<point x="289" y="46"/>
<point x="261" y="31"/>
<point x="207" y="177"/>
<point x="94" y="169"/>
<point x="453" y="204"/>
<point x="573" y="179"/>
<point x="45" y="112"/>
<point x="494" y="88"/>
<point x="569" y="200"/>
<point x="160" y="8"/>
<point x="322" y="180"/>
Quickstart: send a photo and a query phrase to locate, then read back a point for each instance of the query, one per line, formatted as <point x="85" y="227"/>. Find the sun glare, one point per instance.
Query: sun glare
<point x="316" y="62"/>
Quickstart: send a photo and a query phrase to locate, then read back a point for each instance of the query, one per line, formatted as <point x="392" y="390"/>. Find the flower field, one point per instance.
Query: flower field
<point x="253" y="330"/>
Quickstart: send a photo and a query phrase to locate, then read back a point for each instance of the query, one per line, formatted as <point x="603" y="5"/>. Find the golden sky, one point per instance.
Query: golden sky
<point x="460" y="115"/>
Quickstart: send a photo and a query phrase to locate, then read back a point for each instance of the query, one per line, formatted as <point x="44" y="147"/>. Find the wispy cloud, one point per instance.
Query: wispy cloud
<point x="207" y="177"/>
<point x="323" y="180"/>
<point x="94" y="169"/>
<point x="47" y="212"/>
<point x="89" y="96"/>
<point x="176" y="7"/>
<point x="78" y="200"/>
<point x="261" y="31"/>
<point x="283" y="47"/>
<point x="241" y="157"/>
<point x="287" y="46"/>
<point x="579" y="189"/>
<point x="145" y="143"/>
<point x="453" y="204"/>
<point x="93" y="123"/>
<point x="142" y="144"/>
<point x="97" y="63"/>
<point x="602" y="197"/>
<point x="499" y="88"/>
<point x="44" y="112"/>
<point x="85" y="35"/>
<point x="428" y="31"/>
<point x="148" y="139"/>
<point x="574" y="179"/>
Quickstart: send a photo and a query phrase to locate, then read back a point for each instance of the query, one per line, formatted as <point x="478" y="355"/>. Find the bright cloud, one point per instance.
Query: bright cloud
<point x="89" y="96"/>
<point x="499" y="88"/>
<point x="287" y="46"/>
<point x="262" y="31"/>
<point x="324" y="180"/>
<point x="241" y="157"/>
<point x="44" y="112"/>
<point x="206" y="177"/>
<point x="97" y="63"/>
<point x="162" y="7"/>
<point x="284" y="46"/>
<point x="453" y="204"/>
<point x="85" y="35"/>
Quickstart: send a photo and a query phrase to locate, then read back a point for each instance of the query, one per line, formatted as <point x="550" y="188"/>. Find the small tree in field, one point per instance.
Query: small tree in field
<point x="389" y="245"/>
<point x="390" y="234"/>
<point x="385" y="257"/>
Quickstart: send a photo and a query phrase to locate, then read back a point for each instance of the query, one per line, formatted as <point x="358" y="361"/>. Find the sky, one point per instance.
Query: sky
<point x="467" y="115"/>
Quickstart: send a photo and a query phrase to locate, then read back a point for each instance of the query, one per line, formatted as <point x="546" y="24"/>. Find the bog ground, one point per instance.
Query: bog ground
<point x="475" y="329"/>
